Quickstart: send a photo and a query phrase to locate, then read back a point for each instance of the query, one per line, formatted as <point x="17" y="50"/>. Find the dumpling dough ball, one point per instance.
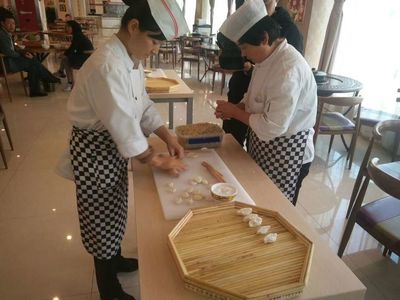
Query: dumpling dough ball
<point x="270" y="238"/>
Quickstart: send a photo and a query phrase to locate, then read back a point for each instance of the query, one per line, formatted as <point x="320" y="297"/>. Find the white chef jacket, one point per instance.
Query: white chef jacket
<point x="109" y="94"/>
<point x="282" y="97"/>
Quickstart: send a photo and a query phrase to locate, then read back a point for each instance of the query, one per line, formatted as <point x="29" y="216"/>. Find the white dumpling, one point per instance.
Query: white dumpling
<point x="263" y="229"/>
<point x="198" y="179"/>
<point x="255" y="222"/>
<point x="249" y="217"/>
<point x="245" y="211"/>
<point x="204" y="181"/>
<point x="185" y="195"/>
<point x="270" y="238"/>
<point x="170" y="184"/>
<point x="179" y="200"/>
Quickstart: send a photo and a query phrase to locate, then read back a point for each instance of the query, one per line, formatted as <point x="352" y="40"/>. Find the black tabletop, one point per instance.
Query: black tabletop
<point x="338" y="84"/>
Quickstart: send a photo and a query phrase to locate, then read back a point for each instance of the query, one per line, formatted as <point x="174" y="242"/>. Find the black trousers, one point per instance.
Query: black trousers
<point x="238" y="85"/>
<point x="305" y="169"/>
<point x="106" y="277"/>
<point x="36" y="72"/>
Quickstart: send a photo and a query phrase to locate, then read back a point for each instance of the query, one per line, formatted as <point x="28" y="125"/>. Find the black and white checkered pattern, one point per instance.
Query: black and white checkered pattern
<point x="280" y="158"/>
<point x="101" y="178"/>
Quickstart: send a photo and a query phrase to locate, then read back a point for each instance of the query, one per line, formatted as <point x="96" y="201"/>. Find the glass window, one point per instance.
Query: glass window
<point x="369" y="51"/>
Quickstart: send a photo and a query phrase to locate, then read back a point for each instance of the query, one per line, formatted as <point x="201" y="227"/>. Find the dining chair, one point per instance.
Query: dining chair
<point x="7" y="130"/>
<point x="190" y="52"/>
<point x="168" y="50"/>
<point x="335" y="123"/>
<point x="5" y="75"/>
<point x="377" y="134"/>
<point x="216" y="68"/>
<point x="380" y="218"/>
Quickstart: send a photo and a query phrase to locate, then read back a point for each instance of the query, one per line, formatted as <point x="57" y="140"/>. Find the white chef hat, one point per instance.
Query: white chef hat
<point x="169" y="18"/>
<point x="243" y="19"/>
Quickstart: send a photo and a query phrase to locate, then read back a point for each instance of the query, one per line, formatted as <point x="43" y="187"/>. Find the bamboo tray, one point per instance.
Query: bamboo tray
<point x="219" y="256"/>
<point x="160" y="84"/>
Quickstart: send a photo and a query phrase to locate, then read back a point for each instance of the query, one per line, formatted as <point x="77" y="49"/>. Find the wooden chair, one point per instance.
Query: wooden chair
<point x="377" y="133"/>
<point x="190" y="52"/>
<point x="5" y="74"/>
<point x="379" y="218"/>
<point x="216" y="68"/>
<point x="7" y="129"/>
<point x="168" y="50"/>
<point x="334" y="123"/>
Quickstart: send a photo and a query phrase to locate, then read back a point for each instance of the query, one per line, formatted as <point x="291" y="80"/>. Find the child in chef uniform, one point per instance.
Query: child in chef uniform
<point x="112" y="116"/>
<point x="281" y="103"/>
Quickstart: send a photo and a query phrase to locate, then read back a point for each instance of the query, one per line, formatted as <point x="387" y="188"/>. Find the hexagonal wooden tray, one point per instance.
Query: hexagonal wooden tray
<point x="220" y="256"/>
<point x="160" y="84"/>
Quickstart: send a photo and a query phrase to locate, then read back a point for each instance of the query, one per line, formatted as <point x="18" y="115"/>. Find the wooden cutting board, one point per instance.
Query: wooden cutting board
<point x="160" y="84"/>
<point x="174" y="211"/>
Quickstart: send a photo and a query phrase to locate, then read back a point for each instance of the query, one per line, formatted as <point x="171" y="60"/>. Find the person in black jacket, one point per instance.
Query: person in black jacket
<point x="240" y="80"/>
<point x="76" y="54"/>
<point x="19" y="60"/>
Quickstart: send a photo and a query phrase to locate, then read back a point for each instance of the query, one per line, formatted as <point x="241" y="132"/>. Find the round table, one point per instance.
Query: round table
<point x="338" y="84"/>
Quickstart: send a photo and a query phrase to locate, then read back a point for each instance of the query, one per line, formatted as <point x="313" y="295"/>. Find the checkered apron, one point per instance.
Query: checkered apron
<point x="280" y="158"/>
<point x="101" y="178"/>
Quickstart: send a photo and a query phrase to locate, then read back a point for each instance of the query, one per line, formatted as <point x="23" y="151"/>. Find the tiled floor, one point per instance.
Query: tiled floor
<point x="41" y="256"/>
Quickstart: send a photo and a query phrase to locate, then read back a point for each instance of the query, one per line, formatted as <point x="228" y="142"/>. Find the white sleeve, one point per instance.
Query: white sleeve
<point x="109" y="90"/>
<point x="279" y="108"/>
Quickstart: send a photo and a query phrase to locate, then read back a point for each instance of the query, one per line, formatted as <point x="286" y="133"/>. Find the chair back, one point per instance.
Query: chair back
<point x="383" y="126"/>
<point x="385" y="181"/>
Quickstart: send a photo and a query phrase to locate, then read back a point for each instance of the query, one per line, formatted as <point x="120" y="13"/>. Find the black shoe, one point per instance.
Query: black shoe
<point x="126" y="264"/>
<point x="37" y="94"/>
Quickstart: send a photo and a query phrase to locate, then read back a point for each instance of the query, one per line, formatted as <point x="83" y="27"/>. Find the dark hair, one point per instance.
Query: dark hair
<point x="256" y="34"/>
<point x="75" y="26"/>
<point x="140" y="10"/>
<point x="5" y="14"/>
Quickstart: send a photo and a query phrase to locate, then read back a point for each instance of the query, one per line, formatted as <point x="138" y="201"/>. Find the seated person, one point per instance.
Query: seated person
<point x="76" y="54"/>
<point x="17" y="60"/>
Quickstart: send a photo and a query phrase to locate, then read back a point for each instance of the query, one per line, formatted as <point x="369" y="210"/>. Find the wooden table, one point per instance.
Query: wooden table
<point x="181" y="93"/>
<point x="338" y="84"/>
<point x="329" y="277"/>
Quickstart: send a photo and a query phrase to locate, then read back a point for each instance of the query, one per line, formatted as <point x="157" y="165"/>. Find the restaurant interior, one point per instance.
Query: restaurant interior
<point x="41" y="253"/>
